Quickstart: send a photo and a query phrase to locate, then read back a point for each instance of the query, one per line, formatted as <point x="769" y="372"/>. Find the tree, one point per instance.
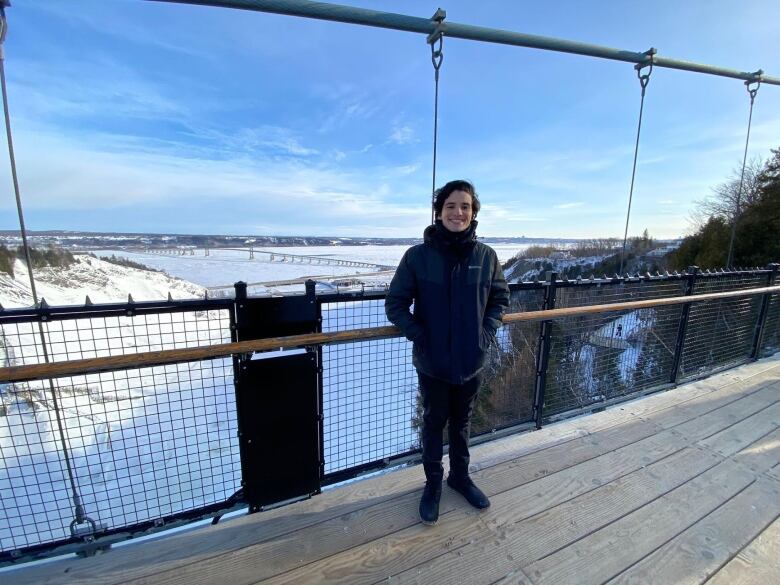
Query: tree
<point x="758" y="232"/>
<point x="756" y="241"/>
<point x="727" y="200"/>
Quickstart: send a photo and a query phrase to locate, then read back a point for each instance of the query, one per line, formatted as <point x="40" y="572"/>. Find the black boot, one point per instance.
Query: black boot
<point x="462" y="484"/>
<point x="429" y="503"/>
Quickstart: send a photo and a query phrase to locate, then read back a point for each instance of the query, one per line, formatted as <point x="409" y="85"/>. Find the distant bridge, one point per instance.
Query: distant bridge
<point x="268" y="256"/>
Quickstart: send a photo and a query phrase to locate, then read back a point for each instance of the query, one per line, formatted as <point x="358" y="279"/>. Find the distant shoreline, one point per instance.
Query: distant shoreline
<point x="119" y="240"/>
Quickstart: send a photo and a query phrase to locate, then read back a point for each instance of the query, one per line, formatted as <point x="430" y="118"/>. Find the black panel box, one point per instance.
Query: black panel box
<point x="279" y="422"/>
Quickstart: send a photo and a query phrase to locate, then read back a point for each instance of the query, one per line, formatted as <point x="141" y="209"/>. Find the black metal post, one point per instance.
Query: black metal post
<point x="758" y="338"/>
<point x="311" y="295"/>
<point x="543" y="350"/>
<point x="240" y="294"/>
<point x="690" y="281"/>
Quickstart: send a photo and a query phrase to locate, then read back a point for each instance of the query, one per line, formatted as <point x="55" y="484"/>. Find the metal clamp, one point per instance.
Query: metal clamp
<point x="752" y="91"/>
<point x="644" y="78"/>
<point x="84" y="528"/>
<point x="440" y="28"/>
<point x="436" y="38"/>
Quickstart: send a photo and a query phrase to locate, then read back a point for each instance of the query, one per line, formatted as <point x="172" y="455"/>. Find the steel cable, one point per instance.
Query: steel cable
<point x="752" y="93"/>
<point x="437" y="56"/>
<point x="80" y="517"/>
<point x="643" y="81"/>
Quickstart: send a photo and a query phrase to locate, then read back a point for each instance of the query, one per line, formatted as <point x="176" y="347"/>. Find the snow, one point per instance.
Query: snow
<point x="143" y="444"/>
<point x="103" y="281"/>
<point x="369" y="404"/>
<point x="225" y="267"/>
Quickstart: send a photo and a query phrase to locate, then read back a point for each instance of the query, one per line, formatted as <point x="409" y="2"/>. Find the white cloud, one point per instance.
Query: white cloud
<point x="402" y="135"/>
<point x="88" y="89"/>
<point x="59" y="173"/>
<point x="569" y="205"/>
<point x="273" y="138"/>
<point x="407" y="169"/>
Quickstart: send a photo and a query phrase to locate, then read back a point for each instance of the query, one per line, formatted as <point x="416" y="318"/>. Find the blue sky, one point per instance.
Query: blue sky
<point x="148" y="117"/>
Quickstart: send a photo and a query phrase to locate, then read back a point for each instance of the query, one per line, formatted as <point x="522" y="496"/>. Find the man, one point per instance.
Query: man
<point x="459" y="295"/>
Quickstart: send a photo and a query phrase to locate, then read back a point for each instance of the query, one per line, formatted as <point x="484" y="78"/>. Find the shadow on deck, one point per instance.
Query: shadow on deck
<point x="678" y="487"/>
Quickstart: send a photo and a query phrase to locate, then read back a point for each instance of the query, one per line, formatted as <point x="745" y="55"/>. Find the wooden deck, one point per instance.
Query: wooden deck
<point x="678" y="487"/>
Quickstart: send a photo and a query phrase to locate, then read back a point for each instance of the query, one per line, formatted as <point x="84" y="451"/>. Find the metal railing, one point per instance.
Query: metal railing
<point x="169" y="415"/>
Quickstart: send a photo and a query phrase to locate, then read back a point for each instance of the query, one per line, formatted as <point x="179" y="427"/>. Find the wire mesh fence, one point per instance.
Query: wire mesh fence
<point x="721" y="333"/>
<point x="133" y="446"/>
<point x="771" y="339"/>
<point x="595" y="358"/>
<point x="506" y="396"/>
<point x="369" y="390"/>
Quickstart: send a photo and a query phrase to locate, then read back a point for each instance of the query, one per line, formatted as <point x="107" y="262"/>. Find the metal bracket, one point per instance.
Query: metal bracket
<point x="440" y="29"/>
<point x="752" y="91"/>
<point x="649" y="59"/>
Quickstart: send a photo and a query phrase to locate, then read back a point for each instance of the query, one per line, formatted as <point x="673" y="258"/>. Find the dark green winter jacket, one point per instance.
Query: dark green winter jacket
<point x="459" y="295"/>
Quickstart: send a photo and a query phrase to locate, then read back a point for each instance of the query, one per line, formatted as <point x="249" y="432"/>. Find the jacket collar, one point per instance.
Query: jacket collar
<point x="460" y="243"/>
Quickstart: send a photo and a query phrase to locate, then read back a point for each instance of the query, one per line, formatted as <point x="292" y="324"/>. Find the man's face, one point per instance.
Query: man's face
<point x="457" y="213"/>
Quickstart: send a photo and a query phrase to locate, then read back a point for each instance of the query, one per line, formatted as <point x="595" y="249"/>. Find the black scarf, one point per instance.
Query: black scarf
<point x="459" y="243"/>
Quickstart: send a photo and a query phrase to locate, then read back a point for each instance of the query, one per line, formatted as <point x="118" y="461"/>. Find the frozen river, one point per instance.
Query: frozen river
<point x="224" y="267"/>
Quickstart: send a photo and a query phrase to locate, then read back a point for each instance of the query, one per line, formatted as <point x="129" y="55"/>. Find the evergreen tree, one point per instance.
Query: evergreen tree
<point x="757" y="240"/>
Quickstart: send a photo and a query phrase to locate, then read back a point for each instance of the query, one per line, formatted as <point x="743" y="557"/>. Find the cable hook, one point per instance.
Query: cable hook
<point x="437" y="54"/>
<point x="752" y="91"/>
<point x="436" y="39"/>
<point x="644" y="78"/>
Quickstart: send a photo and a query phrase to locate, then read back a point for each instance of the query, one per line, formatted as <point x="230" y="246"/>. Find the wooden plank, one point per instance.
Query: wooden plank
<point x="696" y="554"/>
<point x="755" y="437"/>
<point x="682" y="413"/>
<point x="593" y="559"/>
<point x="378" y="560"/>
<point x="518" y="545"/>
<point x="593" y="471"/>
<point x="412" y="549"/>
<point x="170" y="553"/>
<point x="333" y="536"/>
<point x="757" y="564"/>
<point x="763" y="456"/>
<point x="734" y="438"/>
<point x="555" y="486"/>
<point x="730" y="383"/>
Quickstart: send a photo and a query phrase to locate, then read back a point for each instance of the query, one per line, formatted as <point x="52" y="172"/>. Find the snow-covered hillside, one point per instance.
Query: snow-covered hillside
<point x="103" y="281"/>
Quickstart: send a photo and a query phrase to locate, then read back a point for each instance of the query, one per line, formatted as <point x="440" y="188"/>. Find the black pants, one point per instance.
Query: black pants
<point x="443" y="402"/>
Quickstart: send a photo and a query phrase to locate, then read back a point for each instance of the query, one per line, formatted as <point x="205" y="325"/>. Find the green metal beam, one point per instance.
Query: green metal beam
<point x="367" y="17"/>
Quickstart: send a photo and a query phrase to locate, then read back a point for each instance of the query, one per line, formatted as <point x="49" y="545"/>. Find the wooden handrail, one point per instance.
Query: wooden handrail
<point x="170" y="356"/>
